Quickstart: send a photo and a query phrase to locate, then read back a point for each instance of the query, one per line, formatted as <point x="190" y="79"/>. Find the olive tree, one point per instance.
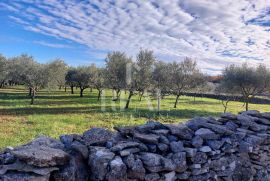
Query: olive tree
<point x="145" y="65"/>
<point x="116" y="63"/>
<point x="98" y="80"/>
<point x="183" y="76"/>
<point x="30" y="73"/>
<point x="246" y="80"/>
<point x="3" y="70"/>
<point x="82" y="78"/>
<point x="56" y="73"/>
<point x="70" y="79"/>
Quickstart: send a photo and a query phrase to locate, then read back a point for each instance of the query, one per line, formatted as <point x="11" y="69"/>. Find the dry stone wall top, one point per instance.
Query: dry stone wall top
<point x="232" y="147"/>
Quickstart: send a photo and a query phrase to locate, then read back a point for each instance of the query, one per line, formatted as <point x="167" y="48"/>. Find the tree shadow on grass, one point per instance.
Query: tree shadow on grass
<point x="137" y="113"/>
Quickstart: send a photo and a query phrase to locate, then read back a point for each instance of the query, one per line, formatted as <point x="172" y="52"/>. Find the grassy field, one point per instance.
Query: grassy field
<point x="58" y="112"/>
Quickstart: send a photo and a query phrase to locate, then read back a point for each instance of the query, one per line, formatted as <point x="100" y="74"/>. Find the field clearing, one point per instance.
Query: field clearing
<point x="57" y="112"/>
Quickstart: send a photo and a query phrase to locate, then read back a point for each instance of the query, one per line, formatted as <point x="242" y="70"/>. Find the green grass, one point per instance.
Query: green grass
<point x="58" y="112"/>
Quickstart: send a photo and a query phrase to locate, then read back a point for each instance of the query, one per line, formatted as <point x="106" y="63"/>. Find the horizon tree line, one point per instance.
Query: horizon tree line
<point x="143" y="75"/>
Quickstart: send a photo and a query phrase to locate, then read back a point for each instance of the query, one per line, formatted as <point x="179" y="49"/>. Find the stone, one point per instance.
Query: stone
<point x="172" y="138"/>
<point x="229" y="116"/>
<point x="249" y="121"/>
<point x="215" y="144"/>
<point x="179" y="159"/>
<point x="164" y="140"/>
<point x="66" y="140"/>
<point x="75" y="170"/>
<point x="147" y="138"/>
<point x="200" y="157"/>
<point x="97" y="136"/>
<point x="205" y="149"/>
<point x="163" y="147"/>
<point x="196" y="123"/>
<point x="7" y="158"/>
<point x="99" y="160"/>
<point x="118" y="170"/>
<point x="219" y="129"/>
<point x="46" y="142"/>
<point x="23" y="167"/>
<point x="181" y="131"/>
<point x="183" y="176"/>
<point x="197" y="141"/>
<point x="231" y="125"/>
<point x="160" y="132"/>
<point x="207" y="134"/>
<point x="191" y="152"/>
<point x="135" y="168"/>
<point x="152" y="177"/>
<point x="123" y="145"/>
<point x="81" y="148"/>
<point x="129" y="151"/>
<point x="18" y="176"/>
<point x="41" y="156"/>
<point x="176" y="146"/>
<point x="150" y="126"/>
<point x="152" y="148"/>
<point x="171" y="176"/>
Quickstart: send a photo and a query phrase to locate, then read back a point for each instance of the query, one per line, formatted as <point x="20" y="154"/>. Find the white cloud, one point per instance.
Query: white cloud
<point x="213" y="32"/>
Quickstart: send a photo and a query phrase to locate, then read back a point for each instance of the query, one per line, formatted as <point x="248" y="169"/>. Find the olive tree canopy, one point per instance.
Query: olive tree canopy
<point x="246" y="80"/>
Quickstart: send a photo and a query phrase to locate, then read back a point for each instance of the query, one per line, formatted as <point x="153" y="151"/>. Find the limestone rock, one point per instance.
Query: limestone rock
<point x="96" y="136"/>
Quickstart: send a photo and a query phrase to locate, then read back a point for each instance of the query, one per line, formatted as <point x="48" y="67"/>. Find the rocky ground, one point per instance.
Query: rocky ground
<point x="233" y="147"/>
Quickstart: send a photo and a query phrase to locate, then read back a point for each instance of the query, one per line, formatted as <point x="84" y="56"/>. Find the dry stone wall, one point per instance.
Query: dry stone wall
<point x="232" y="147"/>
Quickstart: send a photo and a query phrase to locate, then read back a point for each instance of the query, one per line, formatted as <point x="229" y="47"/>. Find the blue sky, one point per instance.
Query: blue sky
<point x="215" y="33"/>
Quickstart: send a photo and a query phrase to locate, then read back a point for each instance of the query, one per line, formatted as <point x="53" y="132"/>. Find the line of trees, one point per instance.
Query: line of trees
<point x="143" y="75"/>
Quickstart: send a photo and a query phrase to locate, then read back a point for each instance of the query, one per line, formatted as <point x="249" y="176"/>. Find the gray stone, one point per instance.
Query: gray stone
<point x="229" y="116"/>
<point x="179" y="159"/>
<point x="18" y="176"/>
<point x="97" y="136"/>
<point x="196" y="123"/>
<point x="66" y="140"/>
<point x="23" y="167"/>
<point x="46" y="142"/>
<point x="171" y="176"/>
<point x="249" y="121"/>
<point x="164" y="139"/>
<point x="149" y="126"/>
<point x="205" y="149"/>
<point x="200" y="157"/>
<point x="135" y="168"/>
<point x="147" y="138"/>
<point x="176" y="146"/>
<point x="118" y="170"/>
<point x="129" y="151"/>
<point x="152" y="177"/>
<point x="206" y="134"/>
<point x="123" y="145"/>
<point x="215" y="144"/>
<point x="99" y="160"/>
<point x="220" y="129"/>
<point x="163" y="147"/>
<point x="197" y="141"/>
<point x="181" y="131"/>
<point x="191" y="152"/>
<point x="41" y="156"/>
<point x="183" y="176"/>
<point x="81" y="148"/>
<point x="160" y="132"/>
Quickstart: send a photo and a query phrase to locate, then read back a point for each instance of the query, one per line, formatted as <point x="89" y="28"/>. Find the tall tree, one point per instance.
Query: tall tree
<point x="3" y="70"/>
<point x="30" y="73"/>
<point x="98" y="80"/>
<point x="116" y="63"/>
<point x="246" y="80"/>
<point x="82" y="78"/>
<point x="56" y="73"/>
<point x="70" y="79"/>
<point x="144" y="65"/>
<point x="183" y="76"/>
